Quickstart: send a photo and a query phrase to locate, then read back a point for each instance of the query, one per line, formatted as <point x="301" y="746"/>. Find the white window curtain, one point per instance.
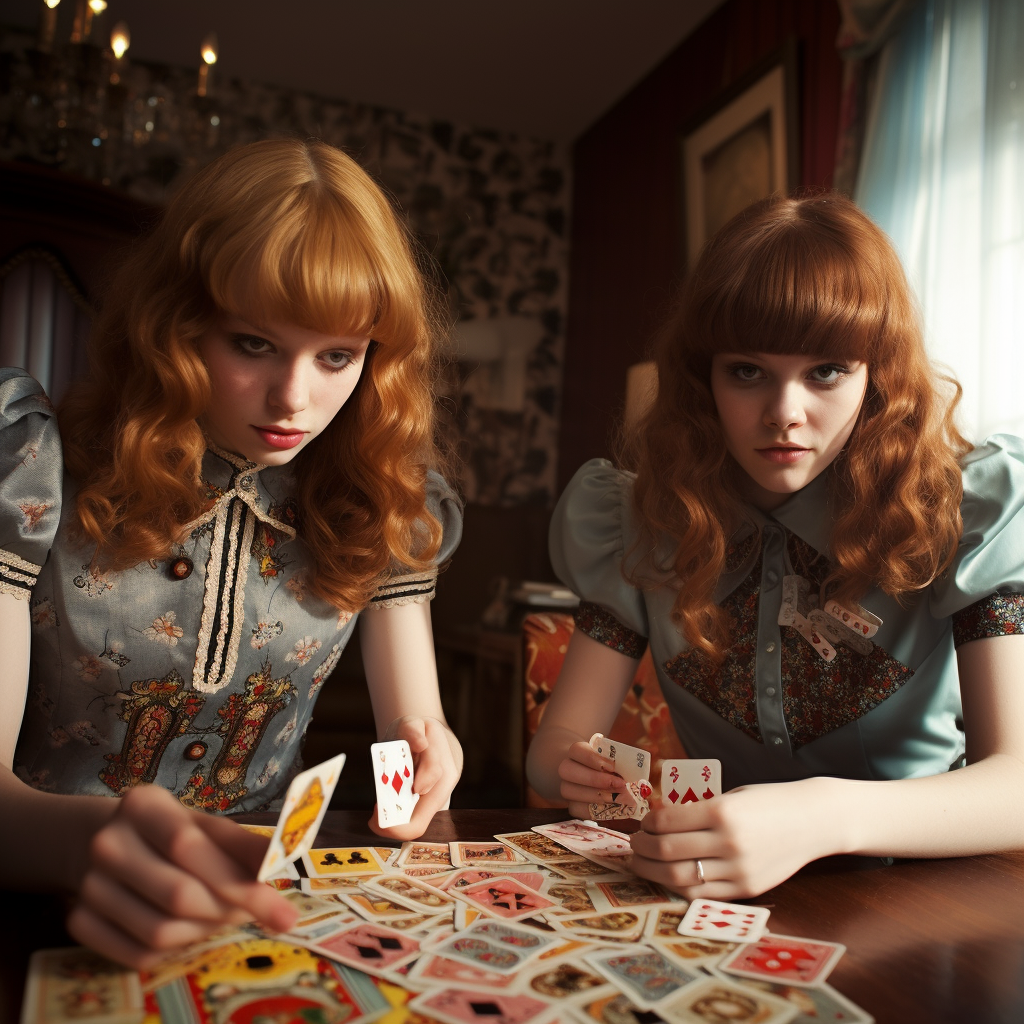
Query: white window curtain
<point x="943" y="173"/>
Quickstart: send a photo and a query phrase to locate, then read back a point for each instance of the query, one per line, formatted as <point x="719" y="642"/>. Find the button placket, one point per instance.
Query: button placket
<point x="768" y="660"/>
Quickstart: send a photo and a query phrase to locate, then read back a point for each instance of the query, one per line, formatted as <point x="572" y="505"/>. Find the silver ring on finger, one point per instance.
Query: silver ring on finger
<point x="700" y="872"/>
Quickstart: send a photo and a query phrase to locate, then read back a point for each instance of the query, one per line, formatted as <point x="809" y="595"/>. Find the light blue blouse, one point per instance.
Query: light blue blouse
<point x="776" y="709"/>
<point x="204" y="684"/>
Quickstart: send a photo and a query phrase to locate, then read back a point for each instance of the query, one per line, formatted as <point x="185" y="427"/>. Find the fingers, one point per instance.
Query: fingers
<point x="186" y="840"/>
<point x="91" y="929"/>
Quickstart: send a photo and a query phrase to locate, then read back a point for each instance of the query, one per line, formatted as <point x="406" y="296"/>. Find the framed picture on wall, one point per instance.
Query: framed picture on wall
<point x="746" y="146"/>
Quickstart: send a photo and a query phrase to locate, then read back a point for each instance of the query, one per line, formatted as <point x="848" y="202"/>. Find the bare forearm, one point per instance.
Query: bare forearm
<point x="969" y="811"/>
<point x="547" y="750"/>
<point x="45" y="846"/>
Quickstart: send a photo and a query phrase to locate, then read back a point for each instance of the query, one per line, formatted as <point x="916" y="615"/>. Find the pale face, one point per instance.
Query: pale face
<point x="785" y="417"/>
<point x="275" y="386"/>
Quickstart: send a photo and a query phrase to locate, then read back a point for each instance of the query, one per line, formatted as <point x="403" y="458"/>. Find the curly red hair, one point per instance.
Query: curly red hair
<point x="807" y="275"/>
<point x="275" y="231"/>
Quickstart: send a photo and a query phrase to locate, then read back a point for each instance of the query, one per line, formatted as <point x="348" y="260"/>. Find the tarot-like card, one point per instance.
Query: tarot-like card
<point x="438" y="971"/>
<point x="470" y="876"/>
<point x="494" y="945"/>
<point x="632" y="763"/>
<point x="725" y="922"/>
<point x="393" y="778"/>
<point x="467" y="1006"/>
<point x="420" y="854"/>
<point x="685" y="780"/>
<point x="413" y="893"/>
<point x="717" y="1000"/>
<point x="369" y="947"/>
<point x="483" y="855"/>
<point x="59" y="979"/>
<point x="305" y="805"/>
<point x="784" y="958"/>
<point x="506" y="898"/>
<point x="342" y="862"/>
<point x="567" y="979"/>
<point x="645" y="975"/>
<point x="587" y="840"/>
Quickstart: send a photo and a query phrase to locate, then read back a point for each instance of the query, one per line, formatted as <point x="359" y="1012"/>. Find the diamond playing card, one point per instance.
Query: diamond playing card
<point x="686" y="781"/>
<point x="725" y="922"/>
<point x="393" y="778"/>
<point x="305" y="805"/>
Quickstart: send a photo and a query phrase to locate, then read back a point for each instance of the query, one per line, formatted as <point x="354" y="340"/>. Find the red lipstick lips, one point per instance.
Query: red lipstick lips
<point x="275" y="437"/>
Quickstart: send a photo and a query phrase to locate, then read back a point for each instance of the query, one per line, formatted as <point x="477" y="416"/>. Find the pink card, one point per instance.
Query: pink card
<point x="786" y="959"/>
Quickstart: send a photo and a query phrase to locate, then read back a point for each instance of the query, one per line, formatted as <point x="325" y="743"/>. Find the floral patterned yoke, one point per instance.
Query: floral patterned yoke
<point x="198" y="673"/>
<point x="783" y="704"/>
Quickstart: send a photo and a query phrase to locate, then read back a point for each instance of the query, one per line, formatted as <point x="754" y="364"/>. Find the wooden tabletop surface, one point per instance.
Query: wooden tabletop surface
<point x="928" y="942"/>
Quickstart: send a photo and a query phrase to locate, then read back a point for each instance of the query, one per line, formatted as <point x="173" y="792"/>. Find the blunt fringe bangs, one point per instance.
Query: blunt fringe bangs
<point x="807" y="275"/>
<point x="276" y="231"/>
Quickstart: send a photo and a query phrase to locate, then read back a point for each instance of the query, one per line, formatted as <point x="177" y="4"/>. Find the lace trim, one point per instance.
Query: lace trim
<point x="223" y="619"/>
<point x="19" y="592"/>
<point x="17" y="576"/>
<point x="412" y="588"/>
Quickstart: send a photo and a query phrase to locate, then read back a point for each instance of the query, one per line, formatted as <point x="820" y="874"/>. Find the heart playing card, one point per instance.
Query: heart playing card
<point x="393" y="778"/>
<point x="632" y="763"/>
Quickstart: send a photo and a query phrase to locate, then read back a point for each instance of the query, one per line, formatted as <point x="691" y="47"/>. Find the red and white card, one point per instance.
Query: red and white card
<point x="724" y="922"/>
<point x="632" y="763"/>
<point x="689" y="781"/>
<point x="786" y="959"/>
<point x="393" y="777"/>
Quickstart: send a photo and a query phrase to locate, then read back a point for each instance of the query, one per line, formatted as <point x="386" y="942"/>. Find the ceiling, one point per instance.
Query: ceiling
<point x="543" y="68"/>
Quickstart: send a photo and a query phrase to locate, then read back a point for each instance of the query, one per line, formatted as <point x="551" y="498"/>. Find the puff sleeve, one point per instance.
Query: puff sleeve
<point x="406" y="587"/>
<point x="983" y="589"/>
<point x="31" y="475"/>
<point x="590" y="535"/>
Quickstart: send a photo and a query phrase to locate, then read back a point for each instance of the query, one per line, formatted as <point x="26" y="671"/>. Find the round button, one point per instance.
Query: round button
<point x="246" y="482"/>
<point x="777" y="741"/>
<point x="194" y="751"/>
<point x="770" y="691"/>
<point x="770" y="647"/>
<point x="181" y="568"/>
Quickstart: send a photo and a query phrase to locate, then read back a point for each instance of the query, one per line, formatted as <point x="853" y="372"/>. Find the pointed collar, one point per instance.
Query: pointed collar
<point x="231" y="476"/>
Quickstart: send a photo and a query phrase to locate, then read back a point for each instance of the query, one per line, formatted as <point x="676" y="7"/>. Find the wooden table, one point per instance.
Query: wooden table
<point x="928" y="942"/>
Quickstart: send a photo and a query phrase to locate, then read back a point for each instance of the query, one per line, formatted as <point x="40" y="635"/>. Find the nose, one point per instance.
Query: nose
<point x="785" y="407"/>
<point x="289" y="391"/>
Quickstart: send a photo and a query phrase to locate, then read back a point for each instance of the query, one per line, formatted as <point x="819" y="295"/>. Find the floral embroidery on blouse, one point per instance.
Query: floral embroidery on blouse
<point x="998" y="615"/>
<point x="33" y="513"/>
<point x="304" y="650"/>
<point x="602" y="626"/>
<point x="264" y="632"/>
<point x="818" y="696"/>
<point x="163" y="630"/>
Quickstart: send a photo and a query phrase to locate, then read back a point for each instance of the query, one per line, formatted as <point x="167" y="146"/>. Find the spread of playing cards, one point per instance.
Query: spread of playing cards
<point x="546" y="925"/>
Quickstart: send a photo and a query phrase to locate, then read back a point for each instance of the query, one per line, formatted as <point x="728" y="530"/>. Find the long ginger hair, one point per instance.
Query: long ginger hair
<point x="810" y="275"/>
<point x="275" y="231"/>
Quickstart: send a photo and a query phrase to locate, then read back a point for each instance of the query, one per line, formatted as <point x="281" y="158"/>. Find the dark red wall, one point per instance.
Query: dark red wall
<point x="625" y="258"/>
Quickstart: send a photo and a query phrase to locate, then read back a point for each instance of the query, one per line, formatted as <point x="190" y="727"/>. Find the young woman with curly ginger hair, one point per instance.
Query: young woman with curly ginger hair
<point x="248" y="466"/>
<point x="830" y="578"/>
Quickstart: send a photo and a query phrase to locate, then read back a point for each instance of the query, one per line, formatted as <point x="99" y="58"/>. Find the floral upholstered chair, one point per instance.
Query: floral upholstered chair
<point x="643" y="720"/>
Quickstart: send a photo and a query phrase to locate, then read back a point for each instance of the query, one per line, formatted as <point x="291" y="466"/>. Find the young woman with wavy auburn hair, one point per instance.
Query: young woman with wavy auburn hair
<point x="249" y="464"/>
<point x="829" y="577"/>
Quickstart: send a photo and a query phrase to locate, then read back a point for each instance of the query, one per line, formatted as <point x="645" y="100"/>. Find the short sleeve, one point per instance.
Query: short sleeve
<point x="589" y="538"/>
<point x="983" y="590"/>
<point x="405" y="587"/>
<point x="31" y="475"/>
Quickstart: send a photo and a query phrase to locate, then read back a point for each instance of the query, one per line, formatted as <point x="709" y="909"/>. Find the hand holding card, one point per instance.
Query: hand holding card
<point x="393" y="777"/>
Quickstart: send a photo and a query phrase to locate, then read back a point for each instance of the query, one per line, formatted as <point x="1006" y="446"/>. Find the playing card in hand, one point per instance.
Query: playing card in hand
<point x="305" y="805"/>
<point x="686" y="780"/>
<point x="393" y="777"/>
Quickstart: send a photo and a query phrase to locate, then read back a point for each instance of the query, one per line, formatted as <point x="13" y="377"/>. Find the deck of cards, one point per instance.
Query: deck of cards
<point x="534" y="927"/>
